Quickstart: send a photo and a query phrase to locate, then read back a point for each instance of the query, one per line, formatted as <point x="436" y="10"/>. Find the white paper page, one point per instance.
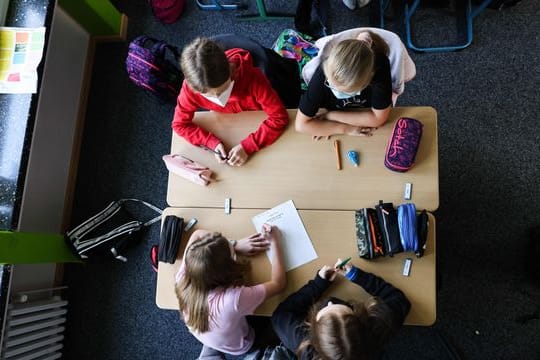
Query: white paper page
<point x="295" y="242"/>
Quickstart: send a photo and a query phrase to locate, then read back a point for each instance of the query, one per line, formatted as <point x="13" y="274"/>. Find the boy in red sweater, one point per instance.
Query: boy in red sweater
<point x="227" y="82"/>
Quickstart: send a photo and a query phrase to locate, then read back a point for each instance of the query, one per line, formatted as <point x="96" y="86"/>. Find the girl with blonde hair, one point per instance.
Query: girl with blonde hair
<point x="333" y="329"/>
<point x="212" y="292"/>
<point x="354" y="73"/>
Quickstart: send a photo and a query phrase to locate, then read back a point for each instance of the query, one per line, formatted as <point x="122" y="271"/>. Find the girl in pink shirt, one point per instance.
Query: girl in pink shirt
<point x="213" y="296"/>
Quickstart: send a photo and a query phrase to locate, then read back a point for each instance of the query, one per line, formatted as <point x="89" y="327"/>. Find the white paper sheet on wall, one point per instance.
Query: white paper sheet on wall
<point x="295" y="242"/>
<point x="21" y="51"/>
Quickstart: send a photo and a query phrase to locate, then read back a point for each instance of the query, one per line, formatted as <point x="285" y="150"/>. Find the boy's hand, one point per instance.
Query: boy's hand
<point x="222" y="158"/>
<point x="237" y="156"/>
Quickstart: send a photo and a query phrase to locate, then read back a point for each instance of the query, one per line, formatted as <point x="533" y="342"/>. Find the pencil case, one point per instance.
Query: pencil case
<point x="388" y="221"/>
<point x="369" y="238"/>
<point x="408" y="225"/>
<point x="170" y="238"/>
<point x="403" y="144"/>
<point x="188" y="169"/>
<point x="422" y="225"/>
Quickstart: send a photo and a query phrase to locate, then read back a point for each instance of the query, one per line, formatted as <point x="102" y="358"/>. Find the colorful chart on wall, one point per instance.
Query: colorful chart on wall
<point x="21" y="50"/>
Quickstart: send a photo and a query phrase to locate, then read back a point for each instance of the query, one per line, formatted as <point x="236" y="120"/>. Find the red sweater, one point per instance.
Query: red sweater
<point x="251" y="91"/>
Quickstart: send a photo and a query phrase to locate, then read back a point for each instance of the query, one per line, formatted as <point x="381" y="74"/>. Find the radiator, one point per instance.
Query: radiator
<point x="34" y="330"/>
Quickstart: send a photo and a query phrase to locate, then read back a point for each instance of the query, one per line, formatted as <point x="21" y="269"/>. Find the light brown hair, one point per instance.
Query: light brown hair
<point x="350" y="63"/>
<point x="351" y="336"/>
<point x="204" y="64"/>
<point x="208" y="266"/>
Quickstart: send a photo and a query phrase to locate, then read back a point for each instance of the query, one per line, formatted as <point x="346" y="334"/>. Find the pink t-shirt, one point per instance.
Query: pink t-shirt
<point x="229" y="331"/>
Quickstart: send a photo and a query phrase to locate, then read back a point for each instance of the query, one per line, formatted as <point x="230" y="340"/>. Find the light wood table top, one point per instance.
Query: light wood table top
<point x="333" y="236"/>
<point x="299" y="168"/>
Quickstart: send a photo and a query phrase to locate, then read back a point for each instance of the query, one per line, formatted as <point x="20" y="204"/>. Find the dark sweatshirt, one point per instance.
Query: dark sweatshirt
<point x="289" y="317"/>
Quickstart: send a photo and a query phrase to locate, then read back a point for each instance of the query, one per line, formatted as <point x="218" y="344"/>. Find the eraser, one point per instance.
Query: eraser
<point x="408" y="191"/>
<point x="407" y="267"/>
<point x="190" y="224"/>
<point x="227" y="205"/>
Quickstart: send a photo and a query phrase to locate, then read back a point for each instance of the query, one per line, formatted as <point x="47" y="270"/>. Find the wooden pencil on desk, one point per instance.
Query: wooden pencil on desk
<point x="338" y="154"/>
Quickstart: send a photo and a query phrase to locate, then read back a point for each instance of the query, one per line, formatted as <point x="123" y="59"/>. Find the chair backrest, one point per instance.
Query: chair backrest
<point x="282" y="73"/>
<point x="402" y="67"/>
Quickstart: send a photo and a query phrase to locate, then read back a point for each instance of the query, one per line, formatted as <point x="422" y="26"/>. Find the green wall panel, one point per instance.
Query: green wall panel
<point x="98" y="17"/>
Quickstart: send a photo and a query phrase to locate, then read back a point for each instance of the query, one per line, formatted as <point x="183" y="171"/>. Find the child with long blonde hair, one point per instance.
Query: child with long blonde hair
<point x="212" y="292"/>
<point x="354" y="73"/>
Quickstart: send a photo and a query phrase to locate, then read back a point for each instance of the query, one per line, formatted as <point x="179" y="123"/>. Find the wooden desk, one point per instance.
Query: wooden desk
<point x="298" y="168"/>
<point x="333" y="236"/>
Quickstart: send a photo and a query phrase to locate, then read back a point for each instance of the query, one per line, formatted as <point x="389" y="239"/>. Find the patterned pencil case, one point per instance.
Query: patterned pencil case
<point x="369" y="238"/>
<point x="403" y="144"/>
<point x="188" y="169"/>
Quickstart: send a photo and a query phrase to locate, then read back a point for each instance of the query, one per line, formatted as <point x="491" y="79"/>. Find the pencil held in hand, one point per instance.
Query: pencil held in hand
<point x="338" y="154"/>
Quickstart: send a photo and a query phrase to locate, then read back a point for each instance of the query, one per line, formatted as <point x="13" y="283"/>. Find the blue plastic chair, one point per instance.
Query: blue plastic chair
<point x="216" y="5"/>
<point x="411" y="6"/>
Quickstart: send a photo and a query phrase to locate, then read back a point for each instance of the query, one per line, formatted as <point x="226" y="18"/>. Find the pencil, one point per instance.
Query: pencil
<point x="338" y="154"/>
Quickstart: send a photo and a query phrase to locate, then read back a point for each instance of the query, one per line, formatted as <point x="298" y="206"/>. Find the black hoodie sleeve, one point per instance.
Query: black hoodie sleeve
<point x="289" y="317"/>
<point x="376" y="286"/>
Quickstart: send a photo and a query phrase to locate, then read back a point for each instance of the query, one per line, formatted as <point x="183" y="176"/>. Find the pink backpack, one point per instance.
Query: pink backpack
<point x="167" y="11"/>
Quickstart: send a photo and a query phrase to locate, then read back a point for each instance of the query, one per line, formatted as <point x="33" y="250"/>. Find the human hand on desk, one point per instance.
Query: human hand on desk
<point x="360" y="131"/>
<point x="220" y="153"/>
<point x="252" y="245"/>
<point x="237" y="156"/>
<point x="271" y="233"/>
<point x="328" y="273"/>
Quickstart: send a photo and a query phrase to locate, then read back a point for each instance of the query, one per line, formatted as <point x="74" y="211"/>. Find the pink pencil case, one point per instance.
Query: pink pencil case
<point x="403" y="144"/>
<point x="188" y="169"/>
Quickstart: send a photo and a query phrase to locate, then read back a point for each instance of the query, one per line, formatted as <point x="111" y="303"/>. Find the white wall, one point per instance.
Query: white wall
<point x="44" y="196"/>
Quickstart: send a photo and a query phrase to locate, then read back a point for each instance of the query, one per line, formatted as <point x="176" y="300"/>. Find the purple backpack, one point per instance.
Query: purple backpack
<point x="403" y="144"/>
<point x="149" y="68"/>
<point x="167" y="11"/>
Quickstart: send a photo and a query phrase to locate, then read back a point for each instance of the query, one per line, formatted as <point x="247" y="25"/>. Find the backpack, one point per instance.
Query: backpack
<point x="167" y="11"/>
<point x="149" y="68"/>
<point x="98" y="237"/>
<point x="291" y="44"/>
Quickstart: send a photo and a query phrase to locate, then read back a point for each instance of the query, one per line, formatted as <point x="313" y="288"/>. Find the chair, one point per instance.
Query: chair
<point x="282" y="73"/>
<point x="466" y="16"/>
<point x="401" y="65"/>
<point x="216" y="5"/>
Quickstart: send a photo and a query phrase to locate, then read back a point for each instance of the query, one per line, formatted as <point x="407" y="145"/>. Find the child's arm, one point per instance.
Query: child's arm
<point x="277" y="117"/>
<point x="289" y="317"/>
<point x="376" y="286"/>
<point x="320" y="125"/>
<point x="183" y="124"/>
<point x="366" y="118"/>
<point x="278" y="279"/>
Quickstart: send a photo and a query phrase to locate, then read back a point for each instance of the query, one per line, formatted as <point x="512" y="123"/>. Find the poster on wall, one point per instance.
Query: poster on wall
<point x="21" y="50"/>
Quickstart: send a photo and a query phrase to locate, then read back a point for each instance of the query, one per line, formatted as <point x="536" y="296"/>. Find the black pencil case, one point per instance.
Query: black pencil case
<point x="170" y="238"/>
<point x="388" y="222"/>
